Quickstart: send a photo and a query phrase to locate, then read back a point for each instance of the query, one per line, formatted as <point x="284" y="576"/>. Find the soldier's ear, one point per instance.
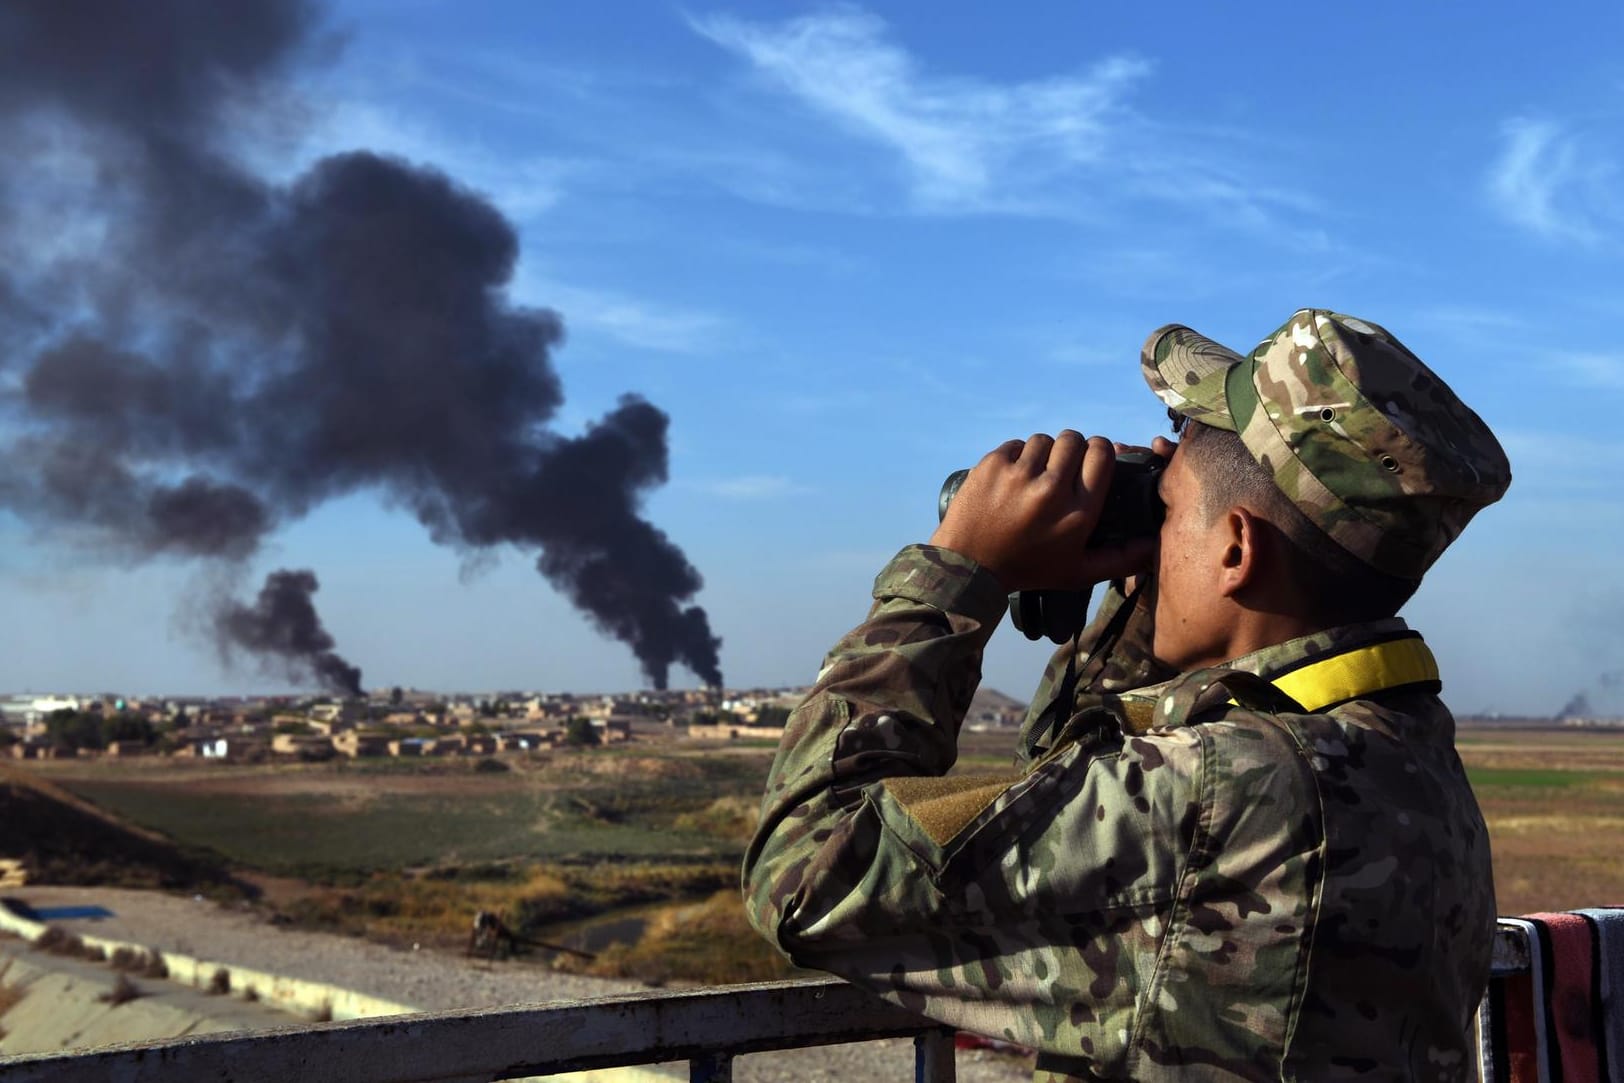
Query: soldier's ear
<point x="1239" y="558"/>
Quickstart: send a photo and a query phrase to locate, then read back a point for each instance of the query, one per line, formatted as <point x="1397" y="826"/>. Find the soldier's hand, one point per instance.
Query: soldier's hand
<point x="1159" y="445"/>
<point x="1027" y="509"/>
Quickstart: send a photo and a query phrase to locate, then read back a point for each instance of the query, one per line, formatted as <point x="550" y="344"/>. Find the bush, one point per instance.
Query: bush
<point x="154" y="966"/>
<point x="220" y="982"/>
<point x="61" y="942"/>
<point x="580" y="733"/>
<point x="709" y="942"/>
<point x="732" y="817"/>
<point x="124" y="990"/>
<point x="10" y="996"/>
<point x="127" y="959"/>
<point x="772" y="715"/>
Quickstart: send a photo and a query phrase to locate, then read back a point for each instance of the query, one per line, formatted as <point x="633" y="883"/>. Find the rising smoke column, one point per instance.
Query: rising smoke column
<point x="191" y="356"/>
<point x="282" y="625"/>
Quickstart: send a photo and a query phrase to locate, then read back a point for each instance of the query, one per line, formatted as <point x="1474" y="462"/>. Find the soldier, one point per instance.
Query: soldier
<point x="1239" y="843"/>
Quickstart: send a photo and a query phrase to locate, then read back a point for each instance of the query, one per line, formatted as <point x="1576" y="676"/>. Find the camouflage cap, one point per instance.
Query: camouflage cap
<point x="1367" y="441"/>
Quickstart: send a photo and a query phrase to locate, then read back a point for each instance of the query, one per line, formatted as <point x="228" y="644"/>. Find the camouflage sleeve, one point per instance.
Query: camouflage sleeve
<point x="1028" y="905"/>
<point x="888" y="703"/>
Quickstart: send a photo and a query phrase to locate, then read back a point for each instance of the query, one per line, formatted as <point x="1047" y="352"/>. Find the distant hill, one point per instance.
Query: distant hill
<point x="63" y="839"/>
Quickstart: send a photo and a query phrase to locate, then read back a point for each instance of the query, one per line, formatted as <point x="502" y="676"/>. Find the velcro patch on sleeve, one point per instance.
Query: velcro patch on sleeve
<point x="945" y="806"/>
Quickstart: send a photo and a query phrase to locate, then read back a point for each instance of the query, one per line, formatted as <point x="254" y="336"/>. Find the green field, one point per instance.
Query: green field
<point x="406" y="849"/>
<point x="309" y="833"/>
<point x="1485" y="780"/>
<point x="1554" y="803"/>
<point x="334" y="819"/>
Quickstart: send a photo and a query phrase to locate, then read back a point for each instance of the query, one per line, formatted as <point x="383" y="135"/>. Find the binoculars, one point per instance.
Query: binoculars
<point x="1133" y="509"/>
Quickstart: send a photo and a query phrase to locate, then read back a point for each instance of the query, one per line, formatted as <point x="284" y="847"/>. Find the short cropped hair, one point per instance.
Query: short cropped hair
<point x="1334" y="586"/>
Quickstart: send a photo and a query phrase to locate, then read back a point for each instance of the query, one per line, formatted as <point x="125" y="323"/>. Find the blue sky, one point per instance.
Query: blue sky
<point x="850" y="249"/>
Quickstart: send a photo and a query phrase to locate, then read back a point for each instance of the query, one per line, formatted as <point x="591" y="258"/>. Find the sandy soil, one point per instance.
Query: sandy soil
<point x="439" y="981"/>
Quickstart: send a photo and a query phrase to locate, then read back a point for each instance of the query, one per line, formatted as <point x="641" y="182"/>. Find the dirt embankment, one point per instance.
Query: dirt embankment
<point x="60" y="838"/>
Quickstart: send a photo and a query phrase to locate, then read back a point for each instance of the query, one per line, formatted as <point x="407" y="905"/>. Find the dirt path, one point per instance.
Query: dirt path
<point x="437" y="981"/>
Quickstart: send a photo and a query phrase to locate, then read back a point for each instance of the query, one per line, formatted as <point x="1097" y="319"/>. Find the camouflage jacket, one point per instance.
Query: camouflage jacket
<point x="1193" y="880"/>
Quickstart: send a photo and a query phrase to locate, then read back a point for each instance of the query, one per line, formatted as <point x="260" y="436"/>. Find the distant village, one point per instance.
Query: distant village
<point x="398" y="722"/>
<point x="404" y="722"/>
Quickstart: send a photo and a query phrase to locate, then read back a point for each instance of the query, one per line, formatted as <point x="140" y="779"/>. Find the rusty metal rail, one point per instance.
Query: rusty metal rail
<point x="706" y="1028"/>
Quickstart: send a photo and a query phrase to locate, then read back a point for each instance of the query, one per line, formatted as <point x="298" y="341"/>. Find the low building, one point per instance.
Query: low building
<point x="452" y="744"/>
<point x="355" y="744"/>
<point x="306" y="746"/>
<point x="347" y="711"/>
<point x="212" y="747"/>
<point x="36" y="749"/>
<point x="410" y="746"/>
<point x="527" y="742"/>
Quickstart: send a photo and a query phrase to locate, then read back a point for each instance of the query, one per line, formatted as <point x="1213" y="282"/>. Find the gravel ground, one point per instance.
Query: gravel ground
<point x="437" y="981"/>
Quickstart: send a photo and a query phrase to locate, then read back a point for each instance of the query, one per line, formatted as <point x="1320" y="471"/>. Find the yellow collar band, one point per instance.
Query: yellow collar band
<point x="1358" y="673"/>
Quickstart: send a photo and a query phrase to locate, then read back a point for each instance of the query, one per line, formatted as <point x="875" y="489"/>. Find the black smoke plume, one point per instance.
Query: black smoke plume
<point x="202" y="356"/>
<point x="1577" y="706"/>
<point x="282" y="624"/>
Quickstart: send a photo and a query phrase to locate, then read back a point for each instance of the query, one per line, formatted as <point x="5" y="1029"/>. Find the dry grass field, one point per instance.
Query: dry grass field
<point x="347" y="819"/>
<point x="406" y="851"/>
<point x="1554" y="802"/>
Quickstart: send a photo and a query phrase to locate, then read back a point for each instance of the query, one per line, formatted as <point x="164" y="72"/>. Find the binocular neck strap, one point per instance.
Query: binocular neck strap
<point x="1061" y="707"/>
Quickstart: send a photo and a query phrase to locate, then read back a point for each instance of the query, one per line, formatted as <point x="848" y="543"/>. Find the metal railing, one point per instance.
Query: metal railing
<point x="1510" y="957"/>
<point x="707" y="1029"/>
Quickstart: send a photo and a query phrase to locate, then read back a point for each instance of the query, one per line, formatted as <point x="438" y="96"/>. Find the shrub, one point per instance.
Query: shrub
<point x="250" y="994"/>
<point x="323" y="1014"/>
<point x="124" y="990"/>
<point x="58" y="941"/>
<point x="154" y="965"/>
<point x="220" y="982"/>
<point x="580" y="733"/>
<point x="709" y="942"/>
<point x="10" y="997"/>
<point x="51" y="940"/>
<point x="731" y="817"/>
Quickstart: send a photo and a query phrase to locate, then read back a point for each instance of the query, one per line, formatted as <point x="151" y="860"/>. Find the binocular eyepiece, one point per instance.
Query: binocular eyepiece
<point x="1133" y="509"/>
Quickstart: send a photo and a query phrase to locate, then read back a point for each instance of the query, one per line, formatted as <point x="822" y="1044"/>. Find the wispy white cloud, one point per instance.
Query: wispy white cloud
<point x="1551" y="181"/>
<point x="1555" y="463"/>
<point x="753" y="487"/>
<point x="958" y="138"/>
<point x="1055" y="147"/>
<point x="1601" y="372"/>
<point x="634" y="321"/>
